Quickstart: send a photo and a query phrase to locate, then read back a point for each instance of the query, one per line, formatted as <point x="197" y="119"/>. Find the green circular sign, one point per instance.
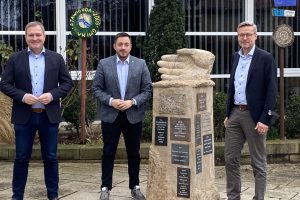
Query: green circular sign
<point x="85" y="23"/>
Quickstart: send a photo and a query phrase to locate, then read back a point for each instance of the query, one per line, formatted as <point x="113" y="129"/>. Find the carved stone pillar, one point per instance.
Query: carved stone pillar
<point x="182" y="152"/>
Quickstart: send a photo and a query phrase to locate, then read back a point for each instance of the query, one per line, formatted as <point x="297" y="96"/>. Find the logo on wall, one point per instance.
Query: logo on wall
<point x="85" y="22"/>
<point x="283" y="35"/>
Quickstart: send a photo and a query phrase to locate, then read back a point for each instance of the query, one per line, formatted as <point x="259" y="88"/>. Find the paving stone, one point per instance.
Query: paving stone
<point x="5" y="184"/>
<point x="81" y="181"/>
<point x="81" y="195"/>
<point x="297" y="197"/>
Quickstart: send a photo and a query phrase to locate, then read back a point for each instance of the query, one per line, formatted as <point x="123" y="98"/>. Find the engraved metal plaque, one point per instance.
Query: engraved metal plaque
<point x="197" y="130"/>
<point x="180" y="154"/>
<point x="172" y="103"/>
<point x="180" y="129"/>
<point x="198" y="161"/>
<point x="205" y="122"/>
<point x="183" y="182"/>
<point x="207" y="144"/>
<point x="161" y="131"/>
<point x="201" y="102"/>
<point x="283" y="35"/>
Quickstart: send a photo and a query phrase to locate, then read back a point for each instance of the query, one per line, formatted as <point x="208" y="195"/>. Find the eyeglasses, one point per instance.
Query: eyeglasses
<point x="242" y="35"/>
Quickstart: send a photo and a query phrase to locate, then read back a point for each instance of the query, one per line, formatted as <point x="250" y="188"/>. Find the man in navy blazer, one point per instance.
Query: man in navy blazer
<point x="251" y="99"/>
<point x="36" y="79"/>
<point x="122" y="85"/>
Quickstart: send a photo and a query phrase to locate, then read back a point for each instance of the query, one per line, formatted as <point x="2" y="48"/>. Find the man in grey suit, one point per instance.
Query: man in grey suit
<point x="122" y="84"/>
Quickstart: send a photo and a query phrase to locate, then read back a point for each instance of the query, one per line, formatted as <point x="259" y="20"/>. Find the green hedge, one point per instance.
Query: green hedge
<point x="292" y="117"/>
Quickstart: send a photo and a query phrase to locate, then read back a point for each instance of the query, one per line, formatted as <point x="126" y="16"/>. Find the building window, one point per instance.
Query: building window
<point x="117" y="15"/>
<point x="213" y="15"/>
<point x="211" y="25"/>
<point x="15" y="14"/>
<point x="102" y="46"/>
<point x="267" y="23"/>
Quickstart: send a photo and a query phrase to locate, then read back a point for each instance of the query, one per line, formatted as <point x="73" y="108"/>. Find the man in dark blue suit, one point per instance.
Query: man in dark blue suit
<point x="251" y="99"/>
<point x="122" y="85"/>
<point x="36" y="79"/>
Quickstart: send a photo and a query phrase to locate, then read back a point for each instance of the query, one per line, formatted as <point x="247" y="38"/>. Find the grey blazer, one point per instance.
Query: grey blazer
<point x="106" y="86"/>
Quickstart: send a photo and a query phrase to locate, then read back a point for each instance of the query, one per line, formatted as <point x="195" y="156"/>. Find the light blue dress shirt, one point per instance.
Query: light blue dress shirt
<point x="37" y="72"/>
<point x="122" y="70"/>
<point x="240" y="78"/>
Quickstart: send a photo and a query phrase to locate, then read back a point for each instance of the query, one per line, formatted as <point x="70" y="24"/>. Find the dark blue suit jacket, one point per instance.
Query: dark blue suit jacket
<point x="261" y="88"/>
<point x="16" y="82"/>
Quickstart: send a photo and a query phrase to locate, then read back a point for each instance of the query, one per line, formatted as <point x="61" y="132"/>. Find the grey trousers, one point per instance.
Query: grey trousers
<point x="240" y="128"/>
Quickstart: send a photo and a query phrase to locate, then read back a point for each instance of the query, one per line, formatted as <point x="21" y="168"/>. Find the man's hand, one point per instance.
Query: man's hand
<point x="225" y="122"/>
<point x="187" y="64"/>
<point x="45" y="98"/>
<point x="261" y="128"/>
<point x="30" y="99"/>
<point x="121" y="104"/>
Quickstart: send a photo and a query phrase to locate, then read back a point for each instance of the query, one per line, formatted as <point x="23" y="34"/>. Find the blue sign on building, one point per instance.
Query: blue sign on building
<point x="278" y="12"/>
<point x="283" y="13"/>
<point x="279" y="3"/>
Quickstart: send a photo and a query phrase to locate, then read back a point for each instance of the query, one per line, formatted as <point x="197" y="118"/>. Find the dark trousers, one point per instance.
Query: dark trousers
<point x="240" y="128"/>
<point x="24" y="137"/>
<point x="111" y="134"/>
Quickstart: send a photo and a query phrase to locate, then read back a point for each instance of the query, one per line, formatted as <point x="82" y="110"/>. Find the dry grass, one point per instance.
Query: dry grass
<point x="6" y="128"/>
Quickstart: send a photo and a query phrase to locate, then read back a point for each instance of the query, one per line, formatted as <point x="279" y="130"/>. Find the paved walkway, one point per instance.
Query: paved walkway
<point x="80" y="181"/>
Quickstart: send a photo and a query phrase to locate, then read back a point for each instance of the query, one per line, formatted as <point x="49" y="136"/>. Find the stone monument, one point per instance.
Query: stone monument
<point x="181" y="157"/>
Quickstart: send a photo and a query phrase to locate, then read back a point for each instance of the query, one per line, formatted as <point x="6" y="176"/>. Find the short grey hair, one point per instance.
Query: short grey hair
<point x="33" y="24"/>
<point x="247" y="23"/>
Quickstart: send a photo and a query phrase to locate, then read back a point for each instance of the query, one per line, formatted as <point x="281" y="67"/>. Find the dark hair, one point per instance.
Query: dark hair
<point x="122" y="34"/>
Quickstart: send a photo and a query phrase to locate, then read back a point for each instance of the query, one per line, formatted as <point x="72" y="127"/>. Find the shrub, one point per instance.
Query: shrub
<point x="274" y="132"/>
<point x="71" y="104"/>
<point x="219" y="107"/>
<point x="147" y="127"/>
<point x="292" y="117"/>
<point x="165" y="33"/>
<point x="220" y="114"/>
<point x="5" y="52"/>
<point x="72" y="112"/>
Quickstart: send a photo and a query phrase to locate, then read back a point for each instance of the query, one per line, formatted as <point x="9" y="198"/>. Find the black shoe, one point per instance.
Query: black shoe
<point x="136" y="193"/>
<point x="104" y="195"/>
<point x="54" y="198"/>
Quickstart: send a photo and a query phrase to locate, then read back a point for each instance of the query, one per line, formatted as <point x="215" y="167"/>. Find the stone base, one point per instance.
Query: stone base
<point x="162" y="186"/>
<point x="182" y="152"/>
<point x="211" y="194"/>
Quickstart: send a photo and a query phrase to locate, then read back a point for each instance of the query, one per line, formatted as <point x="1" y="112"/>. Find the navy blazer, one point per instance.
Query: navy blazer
<point x="261" y="87"/>
<point x="106" y="86"/>
<point x="16" y="82"/>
